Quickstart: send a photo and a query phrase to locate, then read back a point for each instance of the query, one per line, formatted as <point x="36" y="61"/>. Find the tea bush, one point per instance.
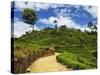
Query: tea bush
<point x="75" y="62"/>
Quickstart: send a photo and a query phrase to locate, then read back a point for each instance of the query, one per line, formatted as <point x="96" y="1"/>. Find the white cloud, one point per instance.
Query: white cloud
<point x="20" y="28"/>
<point x="21" y="5"/>
<point x="91" y="9"/>
<point x="62" y="17"/>
<point x="66" y="21"/>
<point x="36" y="6"/>
<point x="61" y="20"/>
<point x="50" y="20"/>
<point x="16" y="19"/>
<point x="71" y="24"/>
<point x="36" y="28"/>
<point x="66" y="10"/>
<point x="56" y="10"/>
<point x="44" y="20"/>
<point x="62" y="12"/>
<point x="40" y="6"/>
<point x="82" y="28"/>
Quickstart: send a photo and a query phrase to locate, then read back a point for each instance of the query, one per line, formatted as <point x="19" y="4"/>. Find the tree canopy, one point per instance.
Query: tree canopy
<point x="55" y="21"/>
<point x="29" y="16"/>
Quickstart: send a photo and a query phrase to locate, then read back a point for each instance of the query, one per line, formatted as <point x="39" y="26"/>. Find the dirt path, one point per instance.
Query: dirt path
<point x="47" y="64"/>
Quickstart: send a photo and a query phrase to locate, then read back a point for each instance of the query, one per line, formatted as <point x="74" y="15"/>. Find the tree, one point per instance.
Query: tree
<point x="55" y="21"/>
<point x="29" y="16"/>
<point x="63" y="28"/>
<point x="95" y="27"/>
<point x="92" y="26"/>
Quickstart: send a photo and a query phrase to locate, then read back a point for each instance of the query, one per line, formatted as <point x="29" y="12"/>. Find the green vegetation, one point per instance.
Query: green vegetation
<point x="79" y="49"/>
<point x="75" y="61"/>
<point x="29" y="16"/>
<point x="25" y="53"/>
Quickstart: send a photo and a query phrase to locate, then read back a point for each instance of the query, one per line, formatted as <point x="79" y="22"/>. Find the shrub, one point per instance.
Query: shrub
<point x="23" y="57"/>
<point x="75" y="62"/>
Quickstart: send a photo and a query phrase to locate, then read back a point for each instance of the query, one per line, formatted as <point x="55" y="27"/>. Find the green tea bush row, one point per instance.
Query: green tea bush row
<point x="75" y="62"/>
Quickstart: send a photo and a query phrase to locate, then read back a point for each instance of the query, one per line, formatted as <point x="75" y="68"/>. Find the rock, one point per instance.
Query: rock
<point x="15" y="59"/>
<point x="28" y="70"/>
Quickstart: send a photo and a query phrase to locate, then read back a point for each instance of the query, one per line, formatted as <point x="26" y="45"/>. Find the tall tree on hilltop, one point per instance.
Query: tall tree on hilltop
<point x="29" y="16"/>
<point x="55" y="21"/>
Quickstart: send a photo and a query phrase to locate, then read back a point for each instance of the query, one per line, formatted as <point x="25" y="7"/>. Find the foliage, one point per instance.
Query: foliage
<point x="25" y="53"/>
<point x="29" y="16"/>
<point x="55" y="21"/>
<point x="79" y="49"/>
<point x="75" y="61"/>
<point x="92" y="26"/>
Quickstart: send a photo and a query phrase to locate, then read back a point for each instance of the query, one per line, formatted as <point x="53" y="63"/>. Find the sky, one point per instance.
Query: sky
<point x="73" y="16"/>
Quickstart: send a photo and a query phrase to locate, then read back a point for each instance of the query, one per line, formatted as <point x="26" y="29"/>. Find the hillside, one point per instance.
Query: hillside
<point x="71" y="43"/>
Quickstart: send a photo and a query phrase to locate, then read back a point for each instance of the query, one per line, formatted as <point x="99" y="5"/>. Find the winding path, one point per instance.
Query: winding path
<point x="47" y="64"/>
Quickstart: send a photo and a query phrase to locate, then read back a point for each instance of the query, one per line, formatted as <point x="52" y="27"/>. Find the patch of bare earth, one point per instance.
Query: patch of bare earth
<point x="47" y="64"/>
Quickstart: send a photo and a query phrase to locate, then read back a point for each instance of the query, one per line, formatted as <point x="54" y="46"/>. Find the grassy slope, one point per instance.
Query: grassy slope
<point x="74" y="41"/>
<point x="75" y="61"/>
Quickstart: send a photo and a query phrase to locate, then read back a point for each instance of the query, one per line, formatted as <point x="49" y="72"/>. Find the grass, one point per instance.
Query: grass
<point x="75" y="61"/>
<point x="25" y="52"/>
<point x="78" y="49"/>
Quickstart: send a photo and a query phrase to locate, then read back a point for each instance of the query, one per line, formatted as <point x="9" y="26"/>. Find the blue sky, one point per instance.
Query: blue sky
<point x="73" y="16"/>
